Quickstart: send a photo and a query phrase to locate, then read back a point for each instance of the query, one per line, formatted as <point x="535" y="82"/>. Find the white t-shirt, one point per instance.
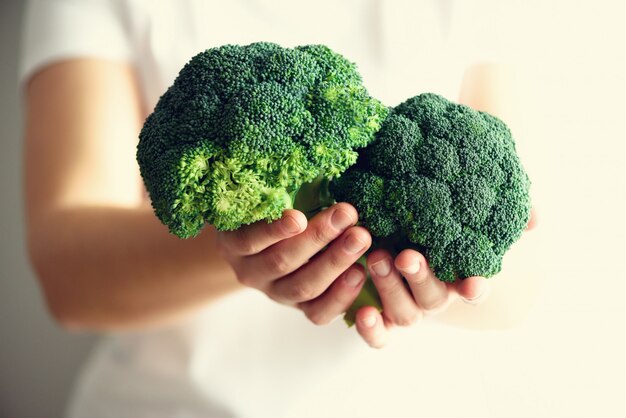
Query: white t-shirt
<point x="245" y="356"/>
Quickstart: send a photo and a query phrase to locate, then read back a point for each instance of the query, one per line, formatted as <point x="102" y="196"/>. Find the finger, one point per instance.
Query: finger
<point x="337" y="299"/>
<point x="370" y="326"/>
<point x="472" y="290"/>
<point x="284" y="257"/>
<point x="312" y="279"/>
<point x="430" y="293"/>
<point x="399" y="307"/>
<point x="252" y="239"/>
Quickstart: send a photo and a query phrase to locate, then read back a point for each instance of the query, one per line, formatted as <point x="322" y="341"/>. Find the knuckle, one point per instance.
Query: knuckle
<point x="244" y="280"/>
<point x="320" y="235"/>
<point x="273" y="295"/>
<point x="278" y="263"/>
<point x="337" y="261"/>
<point x="405" y="320"/>
<point x="433" y="307"/>
<point x="393" y="289"/>
<point x="244" y="243"/>
<point x="276" y="229"/>
<point x="419" y="280"/>
<point x="389" y="287"/>
<point x="318" y="318"/>
<point x="301" y="292"/>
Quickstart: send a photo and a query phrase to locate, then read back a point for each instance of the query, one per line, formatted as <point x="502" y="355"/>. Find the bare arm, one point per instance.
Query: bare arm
<point x="103" y="259"/>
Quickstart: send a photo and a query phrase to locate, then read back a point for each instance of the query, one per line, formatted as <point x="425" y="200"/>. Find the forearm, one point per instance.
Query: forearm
<point x="112" y="268"/>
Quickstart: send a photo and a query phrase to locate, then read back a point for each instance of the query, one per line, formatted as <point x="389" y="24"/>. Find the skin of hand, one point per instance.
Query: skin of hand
<point x="306" y="265"/>
<point x="404" y="303"/>
<point x="422" y="295"/>
<point x="284" y="260"/>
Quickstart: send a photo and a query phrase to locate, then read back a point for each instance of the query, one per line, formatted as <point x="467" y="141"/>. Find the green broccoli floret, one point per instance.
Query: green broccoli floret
<point x="243" y="127"/>
<point x="444" y="179"/>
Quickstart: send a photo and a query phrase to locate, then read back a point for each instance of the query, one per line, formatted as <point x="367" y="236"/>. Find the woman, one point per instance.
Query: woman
<point x="187" y="337"/>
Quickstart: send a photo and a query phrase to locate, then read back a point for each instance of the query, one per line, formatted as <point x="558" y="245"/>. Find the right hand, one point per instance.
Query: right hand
<point x="284" y="259"/>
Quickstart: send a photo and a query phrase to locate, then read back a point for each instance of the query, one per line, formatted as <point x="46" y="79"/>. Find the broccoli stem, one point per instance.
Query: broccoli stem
<point x="312" y="198"/>
<point x="368" y="296"/>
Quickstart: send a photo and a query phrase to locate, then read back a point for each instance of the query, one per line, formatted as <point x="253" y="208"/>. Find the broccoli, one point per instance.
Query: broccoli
<point x="444" y="179"/>
<point x="248" y="131"/>
<point x="243" y="127"/>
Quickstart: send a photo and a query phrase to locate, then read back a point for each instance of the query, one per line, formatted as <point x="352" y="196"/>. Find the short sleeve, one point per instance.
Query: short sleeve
<point x="54" y="30"/>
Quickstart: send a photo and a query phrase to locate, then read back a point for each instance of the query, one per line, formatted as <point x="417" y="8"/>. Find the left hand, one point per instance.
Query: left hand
<point x="403" y="305"/>
<point x="424" y="296"/>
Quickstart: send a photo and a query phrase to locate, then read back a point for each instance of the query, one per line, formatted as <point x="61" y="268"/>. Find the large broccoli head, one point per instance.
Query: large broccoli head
<point x="242" y="127"/>
<point x="445" y="179"/>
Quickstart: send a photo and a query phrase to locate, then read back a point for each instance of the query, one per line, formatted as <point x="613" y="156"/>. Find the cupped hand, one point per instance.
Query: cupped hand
<point x="309" y="265"/>
<point x="404" y="302"/>
<point x="420" y="294"/>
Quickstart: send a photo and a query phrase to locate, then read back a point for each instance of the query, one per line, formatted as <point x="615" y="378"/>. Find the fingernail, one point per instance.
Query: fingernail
<point x="381" y="268"/>
<point x="354" y="278"/>
<point x="291" y="225"/>
<point x="412" y="268"/>
<point x="353" y="245"/>
<point x="341" y="219"/>
<point x="475" y="300"/>
<point x="369" y="321"/>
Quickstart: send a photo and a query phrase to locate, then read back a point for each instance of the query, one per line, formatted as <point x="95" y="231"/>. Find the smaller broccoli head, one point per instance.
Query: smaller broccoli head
<point x="243" y="127"/>
<point x="444" y="179"/>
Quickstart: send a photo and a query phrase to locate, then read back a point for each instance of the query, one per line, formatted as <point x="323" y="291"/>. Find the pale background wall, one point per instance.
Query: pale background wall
<point x="37" y="360"/>
<point x="570" y="350"/>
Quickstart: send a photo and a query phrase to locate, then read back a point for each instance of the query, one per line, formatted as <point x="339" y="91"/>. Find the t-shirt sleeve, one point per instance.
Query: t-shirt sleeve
<point x="56" y="30"/>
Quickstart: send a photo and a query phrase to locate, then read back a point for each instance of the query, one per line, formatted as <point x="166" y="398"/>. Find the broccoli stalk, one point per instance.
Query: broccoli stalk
<point x="311" y="199"/>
